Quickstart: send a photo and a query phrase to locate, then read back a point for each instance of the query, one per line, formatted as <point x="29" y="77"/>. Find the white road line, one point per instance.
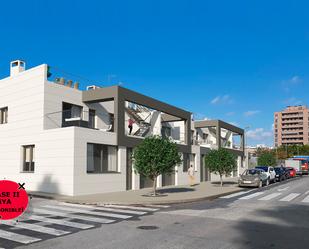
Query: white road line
<point x="270" y="196"/>
<point x="247" y="197"/>
<point x="133" y="207"/>
<point x="283" y="189"/>
<point x="37" y="228"/>
<point x="233" y="195"/>
<point x="72" y="216"/>
<point x="24" y="239"/>
<point x="83" y="211"/>
<point x="106" y="209"/>
<point x="60" y="222"/>
<point x="306" y="199"/>
<point x="157" y="206"/>
<point x="290" y="197"/>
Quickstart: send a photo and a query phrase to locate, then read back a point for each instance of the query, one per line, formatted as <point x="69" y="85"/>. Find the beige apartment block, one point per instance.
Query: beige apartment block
<point x="291" y="126"/>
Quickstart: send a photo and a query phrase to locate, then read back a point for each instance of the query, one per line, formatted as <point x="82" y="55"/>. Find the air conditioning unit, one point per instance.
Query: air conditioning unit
<point x="92" y="87"/>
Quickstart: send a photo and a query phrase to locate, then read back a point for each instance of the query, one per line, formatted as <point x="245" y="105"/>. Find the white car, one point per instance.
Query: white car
<point x="270" y="172"/>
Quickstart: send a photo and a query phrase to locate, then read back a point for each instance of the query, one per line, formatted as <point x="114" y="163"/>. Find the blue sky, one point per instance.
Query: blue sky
<point x="238" y="61"/>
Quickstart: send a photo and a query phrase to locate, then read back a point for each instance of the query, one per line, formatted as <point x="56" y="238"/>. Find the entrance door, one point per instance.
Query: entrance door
<point x="205" y="175"/>
<point x="129" y="169"/>
<point x="168" y="179"/>
<point x="145" y="182"/>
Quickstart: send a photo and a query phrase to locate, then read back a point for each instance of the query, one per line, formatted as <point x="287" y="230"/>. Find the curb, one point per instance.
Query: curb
<point x="211" y="197"/>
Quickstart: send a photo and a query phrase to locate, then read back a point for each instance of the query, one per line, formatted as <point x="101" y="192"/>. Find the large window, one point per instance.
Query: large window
<point x="92" y="118"/>
<point x="3" y="115"/>
<point x="28" y="158"/>
<point x="101" y="158"/>
<point x="71" y="111"/>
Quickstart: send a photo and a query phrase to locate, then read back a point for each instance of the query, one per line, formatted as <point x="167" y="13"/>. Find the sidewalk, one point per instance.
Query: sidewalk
<point x="167" y="195"/>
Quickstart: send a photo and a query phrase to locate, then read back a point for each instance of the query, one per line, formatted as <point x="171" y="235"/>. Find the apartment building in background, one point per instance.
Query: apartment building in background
<point x="291" y="126"/>
<point x="59" y="139"/>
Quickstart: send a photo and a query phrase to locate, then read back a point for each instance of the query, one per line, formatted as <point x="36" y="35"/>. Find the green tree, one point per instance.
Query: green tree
<point x="220" y="162"/>
<point x="266" y="159"/>
<point x="156" y="156"/>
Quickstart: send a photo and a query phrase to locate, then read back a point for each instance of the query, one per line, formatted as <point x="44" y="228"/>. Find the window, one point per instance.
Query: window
<point x="28" y="158"/>
<point x="91" y="118"/>
<point x="3" y="115"/>
<point x="101" y="158"/>
<point x="71" y="111"/>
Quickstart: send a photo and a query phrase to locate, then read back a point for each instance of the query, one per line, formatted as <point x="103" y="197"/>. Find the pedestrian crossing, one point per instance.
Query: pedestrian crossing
<point x="269" y="196"/>
<point x="50" y="221"/>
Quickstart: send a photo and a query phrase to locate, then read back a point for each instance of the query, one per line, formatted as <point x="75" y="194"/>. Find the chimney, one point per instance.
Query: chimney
<point x="76" y="85"/>
<point x="17" y="67"/>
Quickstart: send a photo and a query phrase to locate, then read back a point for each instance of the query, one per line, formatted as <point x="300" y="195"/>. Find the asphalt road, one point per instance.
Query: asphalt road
<point x="276" y="216"/>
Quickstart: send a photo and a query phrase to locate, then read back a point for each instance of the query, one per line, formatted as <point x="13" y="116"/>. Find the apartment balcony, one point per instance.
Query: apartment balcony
<point x="84" y="119"/>
<point x="292" y="121"/>
<point x="292" y="116"/>
<point x="294" y="125"/>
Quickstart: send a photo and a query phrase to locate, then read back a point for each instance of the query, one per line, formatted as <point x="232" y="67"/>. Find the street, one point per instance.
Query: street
<point x="271" y="217"/>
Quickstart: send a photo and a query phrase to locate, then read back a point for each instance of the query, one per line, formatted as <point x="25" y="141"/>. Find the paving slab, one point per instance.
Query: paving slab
<point x="166" y="195"/>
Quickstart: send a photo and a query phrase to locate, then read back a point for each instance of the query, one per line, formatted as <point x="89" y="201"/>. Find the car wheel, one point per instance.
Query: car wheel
<point x="267" y="182"/>
<point x="260" y="184"/>
<point x="275" y="179"/>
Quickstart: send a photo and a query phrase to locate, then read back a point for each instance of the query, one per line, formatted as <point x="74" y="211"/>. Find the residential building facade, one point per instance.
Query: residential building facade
<point x="291" y="126"/>
<point x="59" y="139"/>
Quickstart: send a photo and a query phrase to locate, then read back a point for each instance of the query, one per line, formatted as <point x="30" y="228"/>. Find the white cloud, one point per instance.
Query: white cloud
<point x="200" y="116"/>
<point x="290" y="83"/>
<point x="224" y="99"/>
<point x="251" y="113"/>
<point x="259" y="134"/>
<point x="295" y="79"/>
<point x="292" y="101"/>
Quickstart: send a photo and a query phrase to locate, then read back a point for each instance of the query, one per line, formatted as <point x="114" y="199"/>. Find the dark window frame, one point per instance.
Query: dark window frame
<point x="4" y="115"/>
<point x="100" y="154"/>
<point x="28" y="167"/>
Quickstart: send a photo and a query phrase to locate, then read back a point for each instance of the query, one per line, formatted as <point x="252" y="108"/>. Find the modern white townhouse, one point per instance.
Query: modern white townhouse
<point x="59" y="139"/>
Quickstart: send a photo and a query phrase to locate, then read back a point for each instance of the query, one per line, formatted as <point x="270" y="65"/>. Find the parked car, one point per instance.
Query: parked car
<point x="281" y="174"/>
<point x="253" y="178"/>
<point x="291" y="171"/>
<point x="270" y="172"/>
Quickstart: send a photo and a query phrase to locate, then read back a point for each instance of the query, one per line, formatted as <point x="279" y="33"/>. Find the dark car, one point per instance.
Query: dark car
<point x="281" y="174"/>
<point x="253" y="178"/>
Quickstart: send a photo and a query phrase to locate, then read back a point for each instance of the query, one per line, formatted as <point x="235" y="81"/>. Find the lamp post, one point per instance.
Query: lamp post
<point x="246" y="151"/>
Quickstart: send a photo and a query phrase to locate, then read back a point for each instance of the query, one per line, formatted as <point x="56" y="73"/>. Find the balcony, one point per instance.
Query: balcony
<point x="85" y="119"/>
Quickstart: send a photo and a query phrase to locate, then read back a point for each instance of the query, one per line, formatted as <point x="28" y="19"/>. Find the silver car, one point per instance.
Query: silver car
<point x="253" y="178"/>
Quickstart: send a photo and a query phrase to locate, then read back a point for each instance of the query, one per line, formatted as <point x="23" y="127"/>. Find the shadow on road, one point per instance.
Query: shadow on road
<point x="283" y="227"/>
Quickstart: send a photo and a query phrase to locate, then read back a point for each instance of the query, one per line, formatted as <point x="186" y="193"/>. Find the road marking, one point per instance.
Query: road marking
<point x="306" y="199"/>
<point x="24" y="239"/>
<point x="132" y="207"/>
<point x="157" y="206"/>
<point x="290" y="197"/>
<point x="283" y="189"/>
<point x="269" y="197"/>
<point x="37" y="228"/>
<point x="60" y="222"/>
<point x="73" y="216"/>
<point x="83" y="211"/>
<point x="233" y="195"/>
<point x="247" y="197"/>
<point x="106" y="209"/>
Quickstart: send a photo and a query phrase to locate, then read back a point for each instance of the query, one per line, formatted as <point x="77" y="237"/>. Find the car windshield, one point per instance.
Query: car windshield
<point x="277" y="170"/>
<point x="263" y="168"/>
<point x="252" y="172"/>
